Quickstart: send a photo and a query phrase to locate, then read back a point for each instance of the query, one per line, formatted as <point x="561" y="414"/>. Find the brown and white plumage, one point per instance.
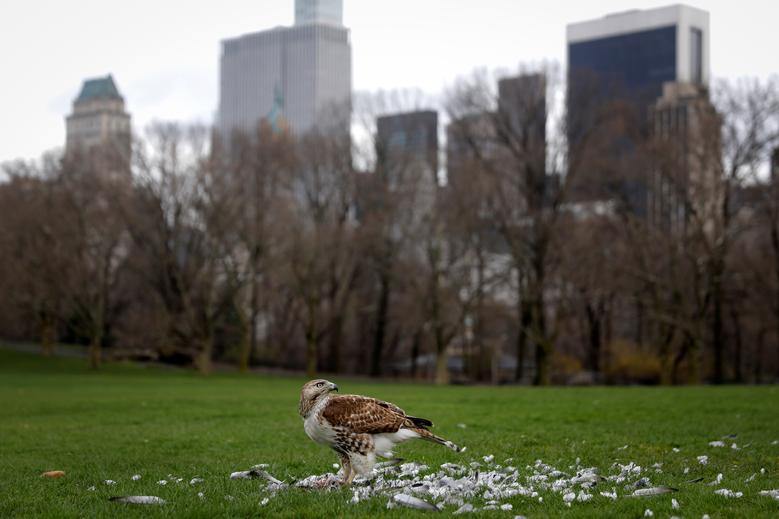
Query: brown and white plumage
<point x="358" y="428"/>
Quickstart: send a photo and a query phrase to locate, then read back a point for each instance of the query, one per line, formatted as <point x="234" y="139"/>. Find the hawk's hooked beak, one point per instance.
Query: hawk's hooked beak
<point x="333" y="387"/>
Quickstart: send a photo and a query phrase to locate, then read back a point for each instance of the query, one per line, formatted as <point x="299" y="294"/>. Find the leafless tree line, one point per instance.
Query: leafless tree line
<point x="324" y="253"/>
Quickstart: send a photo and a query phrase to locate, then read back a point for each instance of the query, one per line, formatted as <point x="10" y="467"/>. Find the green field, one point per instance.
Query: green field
<point x="155" y="422"/>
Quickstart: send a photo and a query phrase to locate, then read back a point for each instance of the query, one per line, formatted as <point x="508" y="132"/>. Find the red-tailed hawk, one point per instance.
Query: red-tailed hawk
<point x="358" y="428"/>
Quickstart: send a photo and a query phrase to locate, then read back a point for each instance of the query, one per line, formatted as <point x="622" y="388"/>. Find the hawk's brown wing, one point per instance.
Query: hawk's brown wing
<point x="361" y="414"/>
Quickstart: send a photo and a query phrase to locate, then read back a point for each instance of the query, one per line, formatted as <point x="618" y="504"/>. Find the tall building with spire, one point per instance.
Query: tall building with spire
<point x="99" y="118"/>
<point x="296" y="77"/>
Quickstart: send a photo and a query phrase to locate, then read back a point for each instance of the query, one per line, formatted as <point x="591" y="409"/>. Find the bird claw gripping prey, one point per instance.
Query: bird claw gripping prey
<point x="359" y="428"/>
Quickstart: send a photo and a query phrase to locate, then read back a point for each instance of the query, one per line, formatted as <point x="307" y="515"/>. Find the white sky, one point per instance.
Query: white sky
<point x="164" y="53"/>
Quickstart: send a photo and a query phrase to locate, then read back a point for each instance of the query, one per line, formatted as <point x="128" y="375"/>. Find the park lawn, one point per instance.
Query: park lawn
<point x="156" y="422"/>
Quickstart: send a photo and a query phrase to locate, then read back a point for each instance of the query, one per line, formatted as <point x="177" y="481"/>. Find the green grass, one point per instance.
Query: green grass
<point x="125" y="420"/>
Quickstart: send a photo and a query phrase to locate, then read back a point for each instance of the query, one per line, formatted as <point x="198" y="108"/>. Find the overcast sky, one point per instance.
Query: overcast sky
<point x="164" y="53"/>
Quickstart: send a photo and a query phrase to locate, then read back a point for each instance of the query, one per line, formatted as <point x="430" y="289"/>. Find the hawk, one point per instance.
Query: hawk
<point x="358" y="428"/>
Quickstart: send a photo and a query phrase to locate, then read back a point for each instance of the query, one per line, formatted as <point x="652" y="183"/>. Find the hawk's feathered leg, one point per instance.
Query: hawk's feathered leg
<point x="346" y="465"/>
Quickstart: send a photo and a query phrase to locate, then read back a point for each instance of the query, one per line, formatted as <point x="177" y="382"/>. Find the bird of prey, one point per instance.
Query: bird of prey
<point x="358" y="428"/>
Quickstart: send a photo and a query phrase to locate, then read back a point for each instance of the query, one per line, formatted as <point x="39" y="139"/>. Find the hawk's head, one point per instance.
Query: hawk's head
<point x="312" y="391"/>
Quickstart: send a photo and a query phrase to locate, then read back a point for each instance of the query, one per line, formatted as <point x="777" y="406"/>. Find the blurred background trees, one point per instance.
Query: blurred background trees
<point x="503" y="259"/>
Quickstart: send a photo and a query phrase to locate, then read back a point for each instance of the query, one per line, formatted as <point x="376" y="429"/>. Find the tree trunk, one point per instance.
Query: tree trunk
<point x="543" y="347"/>
<point x="245" y="347"/>
<point x="47" y="337"/>
<point x="737" y="371"/>
<point x="381" y="324"/>
<point x="203" y="359"/>
<point x="415" y="352"/>
<point x="95" y="351"/>
<point x="334" y="363"/>
<point x="542" y="365"/>
<point x="524" y="324"/>
<point x="442" y="368"/>
<point x="594" y="328"/>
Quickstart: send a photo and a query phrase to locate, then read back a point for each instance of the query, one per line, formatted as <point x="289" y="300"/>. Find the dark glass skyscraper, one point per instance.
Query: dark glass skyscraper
<point x="621" y="61"/>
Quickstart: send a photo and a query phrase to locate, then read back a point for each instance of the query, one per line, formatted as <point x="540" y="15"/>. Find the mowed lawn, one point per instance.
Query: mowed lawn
<point x="166" y="424"/>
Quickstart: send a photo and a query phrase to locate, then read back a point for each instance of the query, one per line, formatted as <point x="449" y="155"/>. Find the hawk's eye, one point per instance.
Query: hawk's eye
<point x="320" y="384"/>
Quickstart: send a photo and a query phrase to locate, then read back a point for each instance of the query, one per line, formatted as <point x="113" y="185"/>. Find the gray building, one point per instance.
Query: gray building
<point x="98" y="118"/>
<point x="296" y="77"/>
<point x="686" y="128"/>
<point x="407" y="141"/>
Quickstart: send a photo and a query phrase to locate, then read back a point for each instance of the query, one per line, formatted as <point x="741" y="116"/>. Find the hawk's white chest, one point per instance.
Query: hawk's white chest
<point x="316" y="427"/>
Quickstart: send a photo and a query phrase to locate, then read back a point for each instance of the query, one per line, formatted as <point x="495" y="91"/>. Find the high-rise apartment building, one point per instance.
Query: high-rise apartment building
<point x="296" y="77"/>
<point x="99" y="118"/>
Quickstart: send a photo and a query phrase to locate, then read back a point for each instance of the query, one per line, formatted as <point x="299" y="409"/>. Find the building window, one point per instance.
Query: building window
<point x="696" y="55"/>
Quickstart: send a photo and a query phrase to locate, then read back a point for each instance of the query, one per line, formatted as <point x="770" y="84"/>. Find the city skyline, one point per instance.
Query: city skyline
<point x="173" y="75"/>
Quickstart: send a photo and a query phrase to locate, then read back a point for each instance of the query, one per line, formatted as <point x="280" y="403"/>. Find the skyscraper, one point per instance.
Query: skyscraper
<point x="319" y="11"/>
<point x="297" y="77"/>
<point x="99" y="118"/>
<point x="408" y="141"/>
<point x="617" y="66"/>
<point x="633" y="53"/>
<point x="685" y="127"/>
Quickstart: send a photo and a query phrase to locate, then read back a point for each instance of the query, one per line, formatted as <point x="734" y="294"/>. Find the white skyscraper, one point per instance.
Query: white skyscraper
<point x="291" y="76"/>
<point x="319" y="11"/>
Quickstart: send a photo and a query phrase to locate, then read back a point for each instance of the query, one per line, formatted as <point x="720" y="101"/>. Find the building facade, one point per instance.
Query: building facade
<point x="617" y="66"/>
<point x="684" y="180"/>
<point x="634" y="52"/>
<point x="99" y="119"/>
<point x="296" y="77"/>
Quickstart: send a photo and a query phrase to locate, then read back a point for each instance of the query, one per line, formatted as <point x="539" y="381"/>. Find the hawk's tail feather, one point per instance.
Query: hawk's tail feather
<point x="420" y="422"/>
<point x="426" y="435"/>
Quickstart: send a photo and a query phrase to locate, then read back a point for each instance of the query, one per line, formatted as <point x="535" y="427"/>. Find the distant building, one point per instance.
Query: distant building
<point x="328" y="12"/>
<point x="633" y="53"/>
<point x="294" y="77"/>
<point x="407" y="159"/>
<point x="99" y="119"/>
<point x="617" y="66"/>
<point x="521" y="116"/>
<point x="407" y="141"/>
<point x="684" y="176"/>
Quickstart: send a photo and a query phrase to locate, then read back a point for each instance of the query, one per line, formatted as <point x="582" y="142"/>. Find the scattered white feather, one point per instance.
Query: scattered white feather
<point x="92" y="488"/>
<point x="109" y="482"/>
<point x="728" y="493"/>
<point x="648" y="513"/>
<point x="717" y="443"/>
<point x="162" y="482"/>
<point x="195" y="481"/>
<point x="136" y="477"/>
<point x="703" y="460"/>
<point x="674" y="504"/>
<point x="770" y="493"/>
<point x="467" y="507"/>
<point x="610" y="495"/>
<point x="139" y="500"/>
<point x="264" y="501"/>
